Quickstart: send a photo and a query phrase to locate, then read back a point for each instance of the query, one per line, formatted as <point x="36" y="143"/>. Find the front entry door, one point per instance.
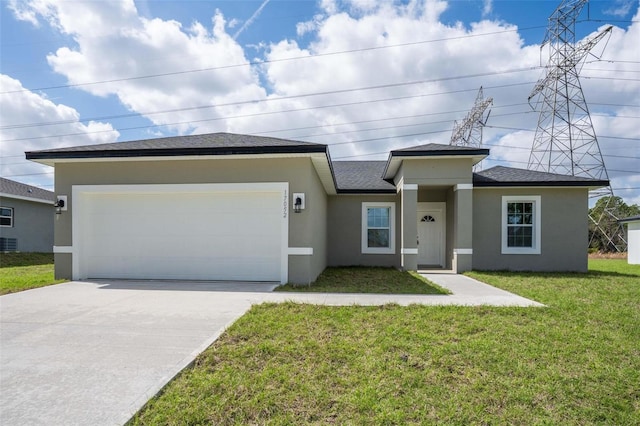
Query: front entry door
<point x="431" y="233"/>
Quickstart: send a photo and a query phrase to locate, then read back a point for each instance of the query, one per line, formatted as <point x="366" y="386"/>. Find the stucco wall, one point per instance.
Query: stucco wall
<point x="305" y="269"/>
<point x="32" y="225"/>
<point x="345" y="232"/>
<point x="317" y="203"/>
<point x="564" y="230"/>
<point x="436" y="171"/>
<point x="306" y="229"/>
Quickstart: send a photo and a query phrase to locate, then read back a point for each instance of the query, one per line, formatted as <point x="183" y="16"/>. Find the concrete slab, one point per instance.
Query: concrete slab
<point x="93" y="353"/>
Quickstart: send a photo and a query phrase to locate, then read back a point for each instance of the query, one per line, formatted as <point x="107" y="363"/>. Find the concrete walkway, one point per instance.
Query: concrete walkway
<point x="92" y="353"/>
<point x="466" y="292"/>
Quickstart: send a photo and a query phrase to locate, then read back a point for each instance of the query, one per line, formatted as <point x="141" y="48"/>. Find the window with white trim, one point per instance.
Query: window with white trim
<point x="521" y="224"/>
<point x="378" y="228"/>
<point x="6" y="217"/>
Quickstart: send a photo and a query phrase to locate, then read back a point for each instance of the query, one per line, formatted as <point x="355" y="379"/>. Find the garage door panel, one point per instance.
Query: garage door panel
<point x="172" y="268"/>
<point x="205" y="236"/>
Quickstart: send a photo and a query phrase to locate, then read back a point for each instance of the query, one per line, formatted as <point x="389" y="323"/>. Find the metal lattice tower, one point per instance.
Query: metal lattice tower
<point x="469" y="131"/>
<point x="565" y="141"/>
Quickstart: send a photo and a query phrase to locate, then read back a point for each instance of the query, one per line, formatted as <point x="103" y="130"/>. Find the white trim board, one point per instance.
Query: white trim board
<point x="63" y="249"/>
<point x="300" y="251"/>
<point x="463" y="251"/>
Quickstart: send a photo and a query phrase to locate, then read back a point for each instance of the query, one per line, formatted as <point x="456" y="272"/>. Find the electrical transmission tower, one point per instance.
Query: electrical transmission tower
<point x="469" y="131"/>
<point x="565" y="141"/>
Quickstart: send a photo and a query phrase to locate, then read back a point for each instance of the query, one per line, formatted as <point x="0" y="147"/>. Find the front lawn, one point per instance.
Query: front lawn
<point x="22" y="271"/>
<point x="575" y="362"/>
<point x="367" y="280"/>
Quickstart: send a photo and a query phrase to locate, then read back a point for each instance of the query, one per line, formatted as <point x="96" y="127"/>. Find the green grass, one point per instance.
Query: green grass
<point x="367" y="280"/>
<point x="22" y="271"/>
<point x="575" y="362"/>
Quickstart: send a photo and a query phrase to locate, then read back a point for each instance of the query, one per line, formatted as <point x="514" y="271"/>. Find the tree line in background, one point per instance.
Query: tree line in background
<point x="609" y="236"/>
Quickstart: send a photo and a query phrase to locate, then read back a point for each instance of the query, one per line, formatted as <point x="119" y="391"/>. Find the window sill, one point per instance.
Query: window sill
<point x="378" y="251"/>
<point x="520" y="251"/>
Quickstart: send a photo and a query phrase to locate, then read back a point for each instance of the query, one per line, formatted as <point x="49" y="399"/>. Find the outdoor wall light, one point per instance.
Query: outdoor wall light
<point x="298" y="202"/>
<point x="60" y="204"/>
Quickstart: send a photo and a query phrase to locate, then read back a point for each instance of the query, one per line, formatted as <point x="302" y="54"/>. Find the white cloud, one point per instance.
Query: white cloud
<point x="487" y="7"/>
<point x="35" y="110"/>
<point x="24" y="12"/>
<point x="119" y="44"/>
<point x="620" y="8"/>
<point x="388" y="43"/>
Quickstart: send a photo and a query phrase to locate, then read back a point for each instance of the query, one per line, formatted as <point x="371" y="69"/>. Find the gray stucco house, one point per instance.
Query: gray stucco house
<point x="26" y="217"/>
<point x="237" y="207"/>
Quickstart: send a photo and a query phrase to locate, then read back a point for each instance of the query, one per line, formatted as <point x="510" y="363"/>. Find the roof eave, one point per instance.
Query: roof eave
<point x="25" y="198"/>
<point x="629" y="219"/>
<point x="368" y="191"/>
<point x="324" y="169"/>
<point x="173" y="152"/>
<point x="441" y="153"/>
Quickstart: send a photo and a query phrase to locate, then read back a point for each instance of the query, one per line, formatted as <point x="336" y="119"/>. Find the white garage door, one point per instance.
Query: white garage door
<point x="210" y="234"/>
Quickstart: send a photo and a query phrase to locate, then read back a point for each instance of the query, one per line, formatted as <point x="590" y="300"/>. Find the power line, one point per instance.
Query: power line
<point x="26" y="125"/>
<point x="261" y="62"/>
<point x="256" y="101"/>
<point x="200" y="107"/>
<point x="150" y="126"/>
<point x="274" y="112"/>
<point x="533" y="130"/>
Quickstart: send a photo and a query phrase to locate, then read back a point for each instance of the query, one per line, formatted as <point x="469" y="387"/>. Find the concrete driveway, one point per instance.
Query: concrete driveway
<point x="92" y="353"/>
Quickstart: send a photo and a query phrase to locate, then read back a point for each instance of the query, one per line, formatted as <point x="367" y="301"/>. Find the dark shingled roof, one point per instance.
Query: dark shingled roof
<point x="358" y="177"/>
<point x="510" y="176"/>
<point x="439" y="149"/>
<point x="350" y="176"/>
<point x="208" y="144"/>
<point x="10" y="187"/>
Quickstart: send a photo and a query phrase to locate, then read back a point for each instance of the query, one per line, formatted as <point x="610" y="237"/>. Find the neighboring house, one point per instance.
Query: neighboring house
<point x="223" y="207"/>
<point x="633" y="239"/>
<point x="26" y="217"/>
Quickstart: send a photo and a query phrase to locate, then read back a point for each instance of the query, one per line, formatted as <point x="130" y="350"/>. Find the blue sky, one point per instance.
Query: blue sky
<point x="78" y="73"/>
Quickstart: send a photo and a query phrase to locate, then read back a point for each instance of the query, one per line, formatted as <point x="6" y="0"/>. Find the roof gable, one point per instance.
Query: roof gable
<point x="13" y="189"/>
<point x="510" y="176"/>
<point x="431" y="150"/>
